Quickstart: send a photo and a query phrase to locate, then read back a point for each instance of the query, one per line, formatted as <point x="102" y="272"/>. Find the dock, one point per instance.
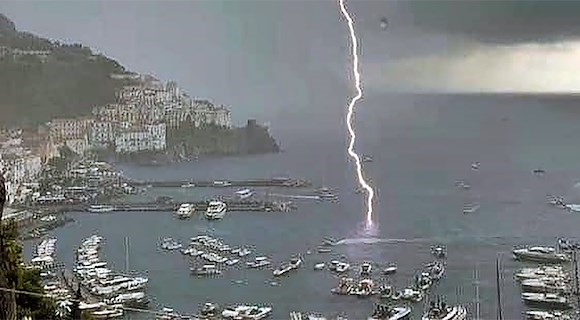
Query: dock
<point x="274" y="182"/>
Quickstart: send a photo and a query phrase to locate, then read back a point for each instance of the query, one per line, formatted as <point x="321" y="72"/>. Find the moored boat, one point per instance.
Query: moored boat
<point x="387" y="312"/>
<point x="439" y="310"/>
<point x="215" y="210"/>
<point x="540" y="254"/>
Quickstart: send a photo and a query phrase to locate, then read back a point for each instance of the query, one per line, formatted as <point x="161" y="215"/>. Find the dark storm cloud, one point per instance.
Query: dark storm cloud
<point x="494" y="21"/>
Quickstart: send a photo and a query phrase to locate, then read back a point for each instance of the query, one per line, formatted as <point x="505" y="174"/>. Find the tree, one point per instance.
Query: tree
<point x="7" y="299"/>
<point x="13" y="276"/>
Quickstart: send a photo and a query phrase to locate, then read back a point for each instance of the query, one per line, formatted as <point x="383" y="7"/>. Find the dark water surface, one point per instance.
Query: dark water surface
<point x="420" y="146"/>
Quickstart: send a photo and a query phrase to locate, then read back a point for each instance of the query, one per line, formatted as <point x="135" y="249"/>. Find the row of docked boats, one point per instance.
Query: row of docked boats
<point x="545" y="287"/>
<point x="437" y="310"/>
<point x="215" y="210"/>
<point x="213" y="311"/>
<point x="53" y="285"/>
<point x="108" y="291"/>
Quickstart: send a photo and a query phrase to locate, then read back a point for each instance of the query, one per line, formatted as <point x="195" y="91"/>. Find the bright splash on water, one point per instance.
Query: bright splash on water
<point x="370" y="193"/>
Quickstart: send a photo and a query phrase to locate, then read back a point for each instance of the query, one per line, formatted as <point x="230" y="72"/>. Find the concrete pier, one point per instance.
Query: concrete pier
<point x="263" y="206"/>
<point x="274" y="182"/>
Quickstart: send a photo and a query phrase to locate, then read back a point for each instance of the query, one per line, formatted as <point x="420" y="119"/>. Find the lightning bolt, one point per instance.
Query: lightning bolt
<point x="370" y="193"/>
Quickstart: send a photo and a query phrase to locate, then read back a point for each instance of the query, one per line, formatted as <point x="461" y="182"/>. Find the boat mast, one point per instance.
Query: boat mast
<point x="477" y="301"/>
<point x="126" y="255"/>
<point x="497" y="279"/>
<point x="575" y="262"/>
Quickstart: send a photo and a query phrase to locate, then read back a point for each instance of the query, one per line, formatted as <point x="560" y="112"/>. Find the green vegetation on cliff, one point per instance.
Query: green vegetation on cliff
<point x="13" y="275"/>
<point x="41" y="79"/>
<point x="251" y="139"/>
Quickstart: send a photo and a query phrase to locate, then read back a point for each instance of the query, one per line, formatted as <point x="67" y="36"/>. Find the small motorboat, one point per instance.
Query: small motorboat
<point x="324" y="250"/>
<point x="439" y="251"/>
<point x="366" y="269"/>
<point x="390" y="269"/>
<point x="387" y="312"/>
<point x="539" y="171"/>
<point x="319" y="266"/>
<point x="386" y="292"/>
<point x="342" y="267"/>
<point x="470" y="208"/>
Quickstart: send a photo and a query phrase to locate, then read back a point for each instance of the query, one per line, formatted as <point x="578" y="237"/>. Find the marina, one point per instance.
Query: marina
<point x="417" y="221"/>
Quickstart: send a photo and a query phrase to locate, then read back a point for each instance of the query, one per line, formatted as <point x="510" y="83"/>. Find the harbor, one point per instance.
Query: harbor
<point x="418" y="219"/>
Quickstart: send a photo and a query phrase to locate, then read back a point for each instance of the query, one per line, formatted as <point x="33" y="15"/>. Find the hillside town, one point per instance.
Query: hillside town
<point x="138" y="121"/>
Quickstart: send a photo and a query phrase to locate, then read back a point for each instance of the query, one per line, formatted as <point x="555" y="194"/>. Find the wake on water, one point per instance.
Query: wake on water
<point x="351" y="241"/>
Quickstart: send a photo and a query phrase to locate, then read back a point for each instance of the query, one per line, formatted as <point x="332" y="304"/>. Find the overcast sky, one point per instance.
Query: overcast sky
<point x="287" y="56"/>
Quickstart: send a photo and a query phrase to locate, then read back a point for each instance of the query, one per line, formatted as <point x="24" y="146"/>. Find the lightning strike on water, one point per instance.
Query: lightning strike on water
<point x="352" y="134"/>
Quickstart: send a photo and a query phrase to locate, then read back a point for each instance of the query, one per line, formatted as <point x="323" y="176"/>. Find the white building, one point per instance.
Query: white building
<point x="102" y="134"/>
<point x="65" y="129"/>
<point x="150" y="137"/>
<point x="200" y="113"/>
<point x="18" y="169"/>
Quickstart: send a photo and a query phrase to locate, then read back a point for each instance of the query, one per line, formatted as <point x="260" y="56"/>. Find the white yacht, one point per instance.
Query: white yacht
<point x="540" y="254"/>
<point x="342" y="267"/>
<point x="545" y="285"/>
<point x="441" y="311"/>
<point x="215" y="210"/>
<point x="546" y="300"/>
<point x="246" y="312"/>
<point x="244" y="194"/>
<point x="185" y="210"/>
<point x="319" y="266"/>
<point x="547" y="315"/>
<point x="544" y="272"/>
<point x="390" y="269"/>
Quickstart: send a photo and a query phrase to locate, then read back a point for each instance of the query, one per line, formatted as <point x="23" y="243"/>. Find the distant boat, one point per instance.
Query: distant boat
<point x="101" y="208"/>
<point x="539" y="171"/>
<point x="319" y="266"/>
<point x="475" y="165"/>
<point x="367" y="158"/>
<point x="470" y="208"/>
<point x="244" y="194"/>
<point x="439" y="251"/>
<point x="219" y="183"/>
<point x="390" y="269"/>
<point x="188" y="185"/>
